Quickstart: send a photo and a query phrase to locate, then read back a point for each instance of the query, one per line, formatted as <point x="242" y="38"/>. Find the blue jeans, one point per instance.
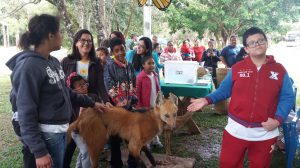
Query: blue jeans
<point x="83" y="158"/>
<point x="56" y="145"/>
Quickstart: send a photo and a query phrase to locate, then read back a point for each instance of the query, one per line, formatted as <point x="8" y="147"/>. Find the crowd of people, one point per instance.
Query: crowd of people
<point x="48" y="95"/>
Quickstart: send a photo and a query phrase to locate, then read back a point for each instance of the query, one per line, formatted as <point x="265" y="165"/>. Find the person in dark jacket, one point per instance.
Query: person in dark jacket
<point x="79" y="85"/>
<point x="211" y="59"/>
<point x="120" y="83"/>
<point x="241" y="55"/>
<point x="83" y="61"/>
<point x="40" y="97"/>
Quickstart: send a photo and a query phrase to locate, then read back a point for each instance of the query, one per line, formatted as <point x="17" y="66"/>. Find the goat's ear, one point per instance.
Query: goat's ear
<point x="159" y="99"/>
<point x="173" y="98"/>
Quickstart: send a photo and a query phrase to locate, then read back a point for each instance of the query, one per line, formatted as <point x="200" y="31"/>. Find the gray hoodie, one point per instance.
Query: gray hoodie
<point x="40" y="95"/>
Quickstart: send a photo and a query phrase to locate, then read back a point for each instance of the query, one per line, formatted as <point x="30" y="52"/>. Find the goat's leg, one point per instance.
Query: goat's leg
<point x="149" y="155"/>
<point x="135" y="151"/>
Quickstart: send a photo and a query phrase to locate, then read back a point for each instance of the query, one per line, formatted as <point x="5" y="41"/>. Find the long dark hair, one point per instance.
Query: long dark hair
<point x="155" y="46"/>
<point x="39" y="28"/>
<point x="119" y="35"/>
<point x="75" y="52"/>
<point x="137" y="60"/>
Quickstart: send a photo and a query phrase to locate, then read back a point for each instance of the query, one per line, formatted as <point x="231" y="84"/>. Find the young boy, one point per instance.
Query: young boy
<point x="103" y="55"/>
<point x="261" y="98"/>
<point x="120" y="84"/>
<point x="79" y="85"/>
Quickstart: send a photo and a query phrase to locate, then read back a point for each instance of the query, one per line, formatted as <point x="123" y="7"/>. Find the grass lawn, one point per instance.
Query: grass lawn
<point x="205" y="147"/>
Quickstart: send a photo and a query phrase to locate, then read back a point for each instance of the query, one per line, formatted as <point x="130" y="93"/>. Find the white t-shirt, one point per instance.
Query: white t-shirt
<point x="249" y="134"/>
<point x="83" y="69"/>
<point x="54" y="128"/>
<point x="153" y="90"/>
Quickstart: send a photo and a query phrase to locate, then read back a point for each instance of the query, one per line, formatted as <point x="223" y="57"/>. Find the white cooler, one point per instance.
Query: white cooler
<point x="181" y="72"/>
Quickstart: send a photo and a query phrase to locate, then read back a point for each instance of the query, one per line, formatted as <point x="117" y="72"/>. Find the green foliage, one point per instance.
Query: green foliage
<point x="120" y="20"/>
<point x="227" y="17"/>
<point x="17" y="20"/>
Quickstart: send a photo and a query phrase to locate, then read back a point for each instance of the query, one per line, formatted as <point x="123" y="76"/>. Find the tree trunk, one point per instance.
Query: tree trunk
<point x="70" y="27"/>
<point x="4" y="36"/>
<point x="102" y="22"/>
<point x="17" y="37"/>
<point x="132" y="10"/>
<point x="7" y="36"/>
<point x="224" y="37"/>
<point x="81" y="14"/>
<point x="218" y="44"/>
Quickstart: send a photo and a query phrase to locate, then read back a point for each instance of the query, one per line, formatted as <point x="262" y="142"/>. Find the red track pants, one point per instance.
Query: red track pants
<point x="234" y="149"/>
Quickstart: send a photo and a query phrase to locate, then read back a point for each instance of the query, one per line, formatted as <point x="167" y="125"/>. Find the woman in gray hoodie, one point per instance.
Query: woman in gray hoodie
<point x="40" y="98"/>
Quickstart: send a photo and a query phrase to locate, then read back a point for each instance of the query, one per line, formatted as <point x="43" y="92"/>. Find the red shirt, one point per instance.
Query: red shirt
<point x="185" y="49"/>
<point x="143" y="89"/>
<point x="198" y="53"/>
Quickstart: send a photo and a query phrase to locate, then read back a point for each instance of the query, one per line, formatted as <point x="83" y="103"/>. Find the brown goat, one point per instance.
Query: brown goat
<point x="137" y="128"/>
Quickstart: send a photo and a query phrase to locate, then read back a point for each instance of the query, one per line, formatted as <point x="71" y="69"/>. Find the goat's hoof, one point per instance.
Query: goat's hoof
<point x="142" y="165"/>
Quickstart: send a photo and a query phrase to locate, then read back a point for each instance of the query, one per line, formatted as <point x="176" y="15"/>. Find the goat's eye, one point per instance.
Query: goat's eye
<point x="167" y="116"/>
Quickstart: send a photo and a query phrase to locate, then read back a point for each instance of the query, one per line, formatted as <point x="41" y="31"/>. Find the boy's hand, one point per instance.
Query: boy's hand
<point x="270" y="124"/>
<point x="122" y="103"/>
<point x="44" y="161"/>
<point x="99" y="106"/>
<point x="197" y="104"/>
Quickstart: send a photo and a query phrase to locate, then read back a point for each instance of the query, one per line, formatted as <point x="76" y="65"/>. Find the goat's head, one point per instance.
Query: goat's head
<point x="167" y="108"/>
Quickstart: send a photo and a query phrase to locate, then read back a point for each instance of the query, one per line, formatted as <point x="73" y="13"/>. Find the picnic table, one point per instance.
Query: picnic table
<point x="185" y="92"/>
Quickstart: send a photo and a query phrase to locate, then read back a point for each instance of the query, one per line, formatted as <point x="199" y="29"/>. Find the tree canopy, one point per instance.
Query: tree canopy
<point x="220" y="18"/>
<point x="227" y="17"/>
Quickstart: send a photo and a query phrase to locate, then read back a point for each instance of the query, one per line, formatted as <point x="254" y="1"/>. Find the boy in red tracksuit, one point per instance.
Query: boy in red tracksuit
<point x="147" y="87"/>
<point x="261" y="98"/>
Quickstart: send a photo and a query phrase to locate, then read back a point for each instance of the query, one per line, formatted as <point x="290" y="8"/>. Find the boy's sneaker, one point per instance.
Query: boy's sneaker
<point x="107" y="146"/>
<point x="157" y="144"/>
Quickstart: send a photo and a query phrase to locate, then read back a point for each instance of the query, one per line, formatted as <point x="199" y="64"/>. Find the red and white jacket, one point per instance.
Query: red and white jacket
<point x="143" y="89"/>
<point x="256" y="94"/>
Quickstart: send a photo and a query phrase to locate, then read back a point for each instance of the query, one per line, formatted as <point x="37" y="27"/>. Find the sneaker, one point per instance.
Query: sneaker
<point x="107" y="146"/>
<point x="157" y="144"/>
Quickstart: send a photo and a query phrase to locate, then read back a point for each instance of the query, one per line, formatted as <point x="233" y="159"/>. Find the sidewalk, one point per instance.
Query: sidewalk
<point x="7" y="53"/>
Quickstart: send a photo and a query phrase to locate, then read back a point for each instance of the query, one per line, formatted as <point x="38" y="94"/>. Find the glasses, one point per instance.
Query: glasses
<point x="84" y="41"/>
<point x="83" y="85"/>
<point x="253" y="44"/>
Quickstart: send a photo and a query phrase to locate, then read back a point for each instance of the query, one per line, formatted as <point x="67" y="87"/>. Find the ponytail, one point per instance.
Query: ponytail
<point x="24" y="42"/>
<point x="39" y="28"/>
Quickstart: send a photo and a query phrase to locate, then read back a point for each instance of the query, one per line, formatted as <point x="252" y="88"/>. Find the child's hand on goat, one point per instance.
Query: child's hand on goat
<point x="99" y="106"/>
